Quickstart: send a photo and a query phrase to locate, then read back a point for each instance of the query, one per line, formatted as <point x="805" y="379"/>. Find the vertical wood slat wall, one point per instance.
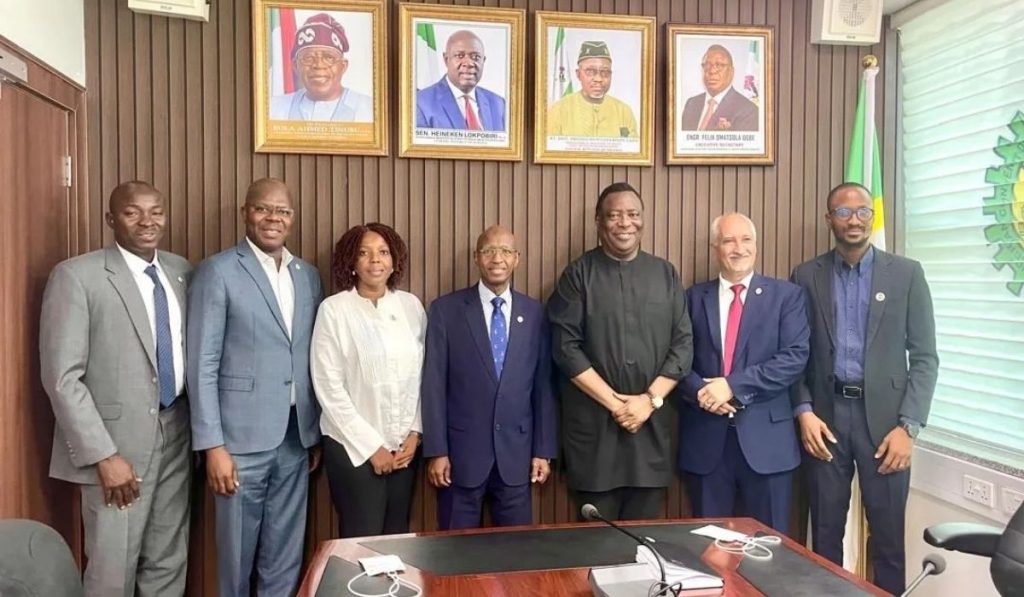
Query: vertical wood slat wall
<point x="170" y="101"/>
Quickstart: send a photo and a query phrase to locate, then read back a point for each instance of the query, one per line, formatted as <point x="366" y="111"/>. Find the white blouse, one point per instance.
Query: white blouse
<point x="366" y="364"/>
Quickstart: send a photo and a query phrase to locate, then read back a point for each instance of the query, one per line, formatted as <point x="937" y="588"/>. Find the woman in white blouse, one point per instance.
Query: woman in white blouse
<point x="366" y="358"/>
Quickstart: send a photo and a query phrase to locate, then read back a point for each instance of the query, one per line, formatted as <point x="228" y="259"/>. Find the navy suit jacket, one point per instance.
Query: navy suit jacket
<point x="468" y="413"/>
<point x="771" y="352"/>
<point x="436" y="108"/>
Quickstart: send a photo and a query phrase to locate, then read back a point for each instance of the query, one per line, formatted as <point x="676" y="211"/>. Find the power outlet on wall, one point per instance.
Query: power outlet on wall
<point x="1011" y="500"/>
<point x="977" y="490"/>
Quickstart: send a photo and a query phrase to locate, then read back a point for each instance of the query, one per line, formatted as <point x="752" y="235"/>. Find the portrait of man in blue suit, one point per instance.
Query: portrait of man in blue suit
<point x="737" y="441"/>
<point x="488" y="403"/>
<point x="457" y="101"/>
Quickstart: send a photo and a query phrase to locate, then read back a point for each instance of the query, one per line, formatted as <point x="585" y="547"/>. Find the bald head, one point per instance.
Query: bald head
<point x="265" y="187"/>
<point x="464" y="58"/>
<point x="496" y="258"/>
<point x="734" y="239"/>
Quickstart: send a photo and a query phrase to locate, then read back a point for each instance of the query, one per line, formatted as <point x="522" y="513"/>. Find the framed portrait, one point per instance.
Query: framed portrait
<point x="460" y="82"/>
<point x="319" y="84"/>
<point x="594" y="87"/>
<point x="721" y="93"/>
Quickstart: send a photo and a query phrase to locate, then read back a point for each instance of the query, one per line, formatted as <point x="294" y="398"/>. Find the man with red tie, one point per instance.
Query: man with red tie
<point x="457" y="101"/>
<point x="737" y="442"/>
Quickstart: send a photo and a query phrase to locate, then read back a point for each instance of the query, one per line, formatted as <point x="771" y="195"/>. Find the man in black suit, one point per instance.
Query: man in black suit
<point x="720" y="108"/>
<point x="868" y="385"/>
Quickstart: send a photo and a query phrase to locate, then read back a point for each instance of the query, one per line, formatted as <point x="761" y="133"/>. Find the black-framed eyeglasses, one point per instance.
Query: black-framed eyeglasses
<point x="844" y="213"/>
<point x="502" y="251"/>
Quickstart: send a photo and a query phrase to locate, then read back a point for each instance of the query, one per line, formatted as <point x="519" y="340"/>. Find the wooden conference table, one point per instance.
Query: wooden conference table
<point x="807" y="572"/>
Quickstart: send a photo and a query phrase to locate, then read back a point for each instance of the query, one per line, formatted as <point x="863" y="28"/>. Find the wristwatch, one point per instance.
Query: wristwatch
<point x="657" y="400"/>
<point x="910" y="428"/>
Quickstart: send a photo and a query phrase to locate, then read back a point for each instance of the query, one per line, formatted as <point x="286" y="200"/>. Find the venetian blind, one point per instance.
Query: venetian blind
<point x="963" y="175"/>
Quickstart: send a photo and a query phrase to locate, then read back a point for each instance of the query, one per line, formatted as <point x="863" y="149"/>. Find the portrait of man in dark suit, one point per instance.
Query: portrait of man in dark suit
<point x="720" y="107"/>
<point x="487" y="394"/>
<point x="456" y="100"/>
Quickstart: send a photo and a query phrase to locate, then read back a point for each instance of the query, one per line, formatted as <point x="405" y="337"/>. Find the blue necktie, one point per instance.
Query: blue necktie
<point x="499" y="335"/>
<point x="164" y="348"/>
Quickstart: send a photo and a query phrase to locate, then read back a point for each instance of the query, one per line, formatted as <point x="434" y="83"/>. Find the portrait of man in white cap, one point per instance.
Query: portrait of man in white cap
<point x="591" y="111"/>
<point x="320" y="60"/>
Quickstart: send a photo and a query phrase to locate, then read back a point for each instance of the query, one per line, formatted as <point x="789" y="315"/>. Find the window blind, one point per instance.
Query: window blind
<point x="962" y="84"/>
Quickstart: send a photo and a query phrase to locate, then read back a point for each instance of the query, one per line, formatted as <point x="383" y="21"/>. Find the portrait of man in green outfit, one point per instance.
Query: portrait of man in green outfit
<point x="591" y="111"/>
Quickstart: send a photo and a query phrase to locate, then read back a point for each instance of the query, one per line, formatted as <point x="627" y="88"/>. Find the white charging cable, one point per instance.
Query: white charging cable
<point x="396" y="586"/>
<point x="755" y="548"/>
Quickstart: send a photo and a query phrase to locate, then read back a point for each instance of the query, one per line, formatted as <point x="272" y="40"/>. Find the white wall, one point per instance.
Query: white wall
<point x="936" y="489"/>
<point x="51" y="30"/>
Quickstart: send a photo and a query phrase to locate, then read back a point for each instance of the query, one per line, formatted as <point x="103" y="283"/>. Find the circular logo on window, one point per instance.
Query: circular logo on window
<point x="1006" y="205"/>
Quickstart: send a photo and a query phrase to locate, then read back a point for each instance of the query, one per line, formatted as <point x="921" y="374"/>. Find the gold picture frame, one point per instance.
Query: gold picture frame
<point x="487" y="64"/>
<point x="714" y="115"/>
<point x="305" y="98"/>
<point x="609" y="118"/>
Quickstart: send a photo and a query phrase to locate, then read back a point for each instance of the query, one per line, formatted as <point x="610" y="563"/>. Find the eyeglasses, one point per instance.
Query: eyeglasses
<point x="490" y="252"/>
<point x="474" y="56"/>
<point x="713" y="66"/>
<point x="593" y="72"/>
<point x="844" y="213"/>
<point x="281" y="212"/>
<point x="326" y="58"/>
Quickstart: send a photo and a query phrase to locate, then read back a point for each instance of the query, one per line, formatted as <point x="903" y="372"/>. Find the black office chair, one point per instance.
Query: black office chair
<point x="36" y="562"/>
<point x="1004" y="546"/>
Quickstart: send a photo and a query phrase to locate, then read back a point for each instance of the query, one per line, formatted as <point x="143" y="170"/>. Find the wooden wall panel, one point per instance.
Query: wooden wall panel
<point x="170" y="100"/>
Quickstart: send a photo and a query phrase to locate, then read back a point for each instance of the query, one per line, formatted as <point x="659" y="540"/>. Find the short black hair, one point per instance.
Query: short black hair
<point x="615" y="187"/>
<point x="126" y="191"/>
<point x="842" y="187"/>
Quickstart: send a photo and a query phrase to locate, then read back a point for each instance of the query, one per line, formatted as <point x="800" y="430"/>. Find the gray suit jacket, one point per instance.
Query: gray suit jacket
<point x="98" y="362"/>
<point x="900" y="360"/>
<point x="241" y="362"/>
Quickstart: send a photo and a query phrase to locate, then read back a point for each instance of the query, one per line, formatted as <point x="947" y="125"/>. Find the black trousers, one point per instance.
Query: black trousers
<point x="623" y="503"/>
<point x="884" y="497"/>
<point x="368" y="503"/>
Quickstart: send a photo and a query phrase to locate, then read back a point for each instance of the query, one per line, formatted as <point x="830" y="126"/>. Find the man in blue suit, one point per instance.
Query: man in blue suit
<point x="253" y="410"/>
<point x="456" y="101"/>
<point x="487" y="394"/>
<point x="737" y="441"/>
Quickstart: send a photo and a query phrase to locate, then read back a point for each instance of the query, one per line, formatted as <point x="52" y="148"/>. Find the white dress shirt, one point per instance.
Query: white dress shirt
<point x="486" y="295"/>
<point x="718" y="102"/>
<point x="138" y="266"/>
<point x="725" y="301"/>
<point x="366" y="364"/>
<point x="282" y="285"/>
<point x="461" y="103"/>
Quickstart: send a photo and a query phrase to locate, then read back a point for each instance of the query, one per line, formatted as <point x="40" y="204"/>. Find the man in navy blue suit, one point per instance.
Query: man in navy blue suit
<point x="488" y="405"/>
<point x="456" y="101"/>
<point x="737" y="441"/>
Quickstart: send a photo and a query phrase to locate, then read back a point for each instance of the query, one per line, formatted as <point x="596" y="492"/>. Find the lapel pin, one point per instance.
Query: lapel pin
<point x="758" y="290"/>
<point x="880" y="297"/>
<point x="297" y="266"/>
<point x="180" y="279"/>
<point x="519" y="319"/>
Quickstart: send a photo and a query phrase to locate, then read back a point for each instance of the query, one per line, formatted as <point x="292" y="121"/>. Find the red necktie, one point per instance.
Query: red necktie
<point x="471" y="122"/>
<point x="707" y="118"/>
<point x="732" y="328"/>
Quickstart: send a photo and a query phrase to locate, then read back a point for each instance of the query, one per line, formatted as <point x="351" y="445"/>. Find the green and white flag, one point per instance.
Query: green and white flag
<point x="751" y="84"/>
<point x="863" y="164"/>
<point x="561" y="78"/>
<point x="427" y="57"/>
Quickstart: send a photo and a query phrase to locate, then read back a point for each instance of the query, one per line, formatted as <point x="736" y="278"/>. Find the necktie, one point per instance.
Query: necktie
<point x="732" y="328"/>
<point x="499" y="335"/>
<point x="471" y="121"/>
<point x="707" y="117"/>
<point x="164" y="349"/>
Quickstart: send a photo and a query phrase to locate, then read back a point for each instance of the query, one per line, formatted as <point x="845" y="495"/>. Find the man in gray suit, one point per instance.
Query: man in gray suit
<point x="868" y="385"/>
<point x="112" y="363"/>
<point x="254" y="414"/>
